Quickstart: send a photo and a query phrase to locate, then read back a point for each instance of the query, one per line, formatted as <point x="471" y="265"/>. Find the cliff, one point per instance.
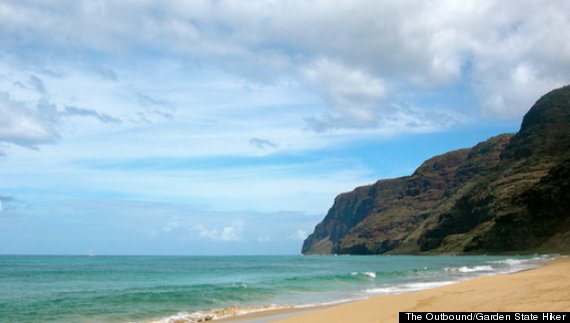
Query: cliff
<point x="510" y="193"/>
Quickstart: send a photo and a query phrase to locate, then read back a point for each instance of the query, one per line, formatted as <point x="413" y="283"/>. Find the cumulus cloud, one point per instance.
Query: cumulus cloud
<point x="30" y="125"/>
<point x="506" y="53"/>
<point x="356" y="97"/>
<point x="32" y="116"/>
<point x="27" y="126"/>
<point x="230" y="232"/>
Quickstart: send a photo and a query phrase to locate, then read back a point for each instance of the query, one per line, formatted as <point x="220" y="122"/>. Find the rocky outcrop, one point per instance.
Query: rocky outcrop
<point x="507" y="194"/>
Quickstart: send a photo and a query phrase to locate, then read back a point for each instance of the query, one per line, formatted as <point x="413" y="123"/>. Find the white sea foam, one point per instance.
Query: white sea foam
<point x="329" y="303"/>
<point x="503" y="266"/>
<point x="406" y="288"/>
<point x="210" y="315"/>
<point x="510" y="262"/>
<point x="466" y="269"/>
<point x="514" y="265"/>
<point x="239" y="285"/>
<point x="492" y="267"/>
<point x="370" y="274"/>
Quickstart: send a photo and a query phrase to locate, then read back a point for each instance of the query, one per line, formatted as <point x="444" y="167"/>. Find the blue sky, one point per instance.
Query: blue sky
<point x="228" y="127"/>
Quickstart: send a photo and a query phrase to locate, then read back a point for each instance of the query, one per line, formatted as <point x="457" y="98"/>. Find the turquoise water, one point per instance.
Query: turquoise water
<point x="141" y="289"/>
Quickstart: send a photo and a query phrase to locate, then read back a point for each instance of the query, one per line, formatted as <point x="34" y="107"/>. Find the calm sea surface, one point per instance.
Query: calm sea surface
<point x="165" y="289"/>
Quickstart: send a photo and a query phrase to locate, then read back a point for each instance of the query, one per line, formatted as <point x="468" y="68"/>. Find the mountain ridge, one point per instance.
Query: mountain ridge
<point x="506" y="194"/>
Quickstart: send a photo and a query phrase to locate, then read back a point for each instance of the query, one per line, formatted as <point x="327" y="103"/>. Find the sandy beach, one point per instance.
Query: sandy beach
<point x="546" y="288"/>
<point x="543" y="289"/>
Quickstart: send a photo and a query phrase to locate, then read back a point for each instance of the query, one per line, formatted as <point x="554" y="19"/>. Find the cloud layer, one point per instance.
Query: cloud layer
<point x="363" y="58"/>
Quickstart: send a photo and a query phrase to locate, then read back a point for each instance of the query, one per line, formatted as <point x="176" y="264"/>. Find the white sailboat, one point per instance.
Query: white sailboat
<point x="91" y="254"/>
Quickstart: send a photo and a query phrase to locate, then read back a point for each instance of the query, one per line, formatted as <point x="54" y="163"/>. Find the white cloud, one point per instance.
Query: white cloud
<point x="357" y="98"/>
<point x="25" y="124"/>
<point x="380" y="49"/>
<point x="230" y="233"/>
<point x="35" y="111"/>
<point x="227" y="233"/>
<point x="170" y="225"/>
<point x="299" y="235"/>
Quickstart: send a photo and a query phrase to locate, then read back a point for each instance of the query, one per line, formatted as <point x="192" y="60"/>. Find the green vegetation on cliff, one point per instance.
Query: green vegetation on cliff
<point x="510" y="193"/>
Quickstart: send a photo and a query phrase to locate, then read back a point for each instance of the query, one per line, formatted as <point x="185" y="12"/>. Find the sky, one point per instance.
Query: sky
<point x="228" y="127"/>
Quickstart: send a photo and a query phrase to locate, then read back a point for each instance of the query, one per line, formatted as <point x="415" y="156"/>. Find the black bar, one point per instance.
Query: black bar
<point x="521" y="317"/>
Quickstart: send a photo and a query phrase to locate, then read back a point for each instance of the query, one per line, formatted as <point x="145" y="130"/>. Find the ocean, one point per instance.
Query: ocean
<point x="194" y="288"/>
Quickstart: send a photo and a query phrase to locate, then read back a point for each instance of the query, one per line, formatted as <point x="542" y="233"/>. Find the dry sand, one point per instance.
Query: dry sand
<point x="543" y="289"/>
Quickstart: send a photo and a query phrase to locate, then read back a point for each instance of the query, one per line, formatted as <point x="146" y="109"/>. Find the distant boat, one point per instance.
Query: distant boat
<point x="91" y="254"/>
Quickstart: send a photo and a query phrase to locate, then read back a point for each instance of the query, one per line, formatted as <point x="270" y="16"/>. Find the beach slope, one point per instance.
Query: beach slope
<point x="542" y="289"/>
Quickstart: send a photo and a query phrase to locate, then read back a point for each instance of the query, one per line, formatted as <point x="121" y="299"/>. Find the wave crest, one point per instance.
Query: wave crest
<point x="370" y="274"/>
<point x="466" y="269"/>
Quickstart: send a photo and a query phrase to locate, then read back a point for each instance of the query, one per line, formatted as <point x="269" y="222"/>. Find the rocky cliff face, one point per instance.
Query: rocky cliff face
<point x="510" y="193"/>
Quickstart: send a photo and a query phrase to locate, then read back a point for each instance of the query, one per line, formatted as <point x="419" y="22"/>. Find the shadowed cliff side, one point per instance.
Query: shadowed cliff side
<point x="509" y="193"/>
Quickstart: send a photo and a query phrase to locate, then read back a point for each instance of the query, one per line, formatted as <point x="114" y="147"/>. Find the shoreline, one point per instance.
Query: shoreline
<point x="544" y="288"/>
